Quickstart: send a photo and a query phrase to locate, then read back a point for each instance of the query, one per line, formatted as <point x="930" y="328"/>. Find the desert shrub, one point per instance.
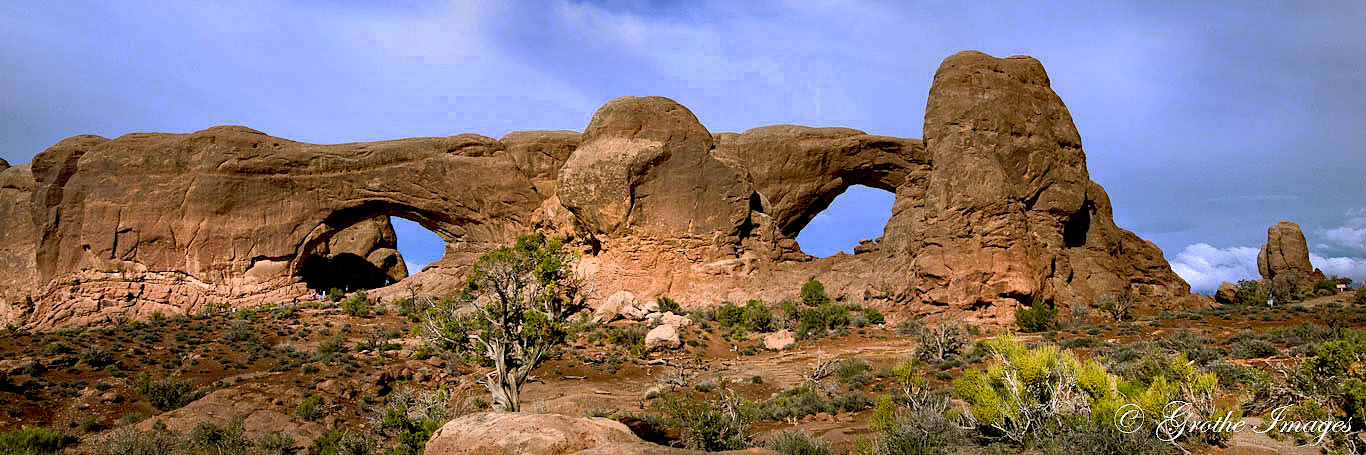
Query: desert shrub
<point x="344" y="443"/>
<point x="58" y="348"/>
<point x="874" y="316"/>
<point x="311" y="409"/>
<point x="33" y="441"/>
<point x="1285" y="287"/>
<point x="167" y="393"/>
<point x="130" y="441"/>
<point x="410" y="417"/>
<point x="709" y="425"/>
<point x="1253" y="348"/>
<point x="358" y="304"/>
<point x="854" y="372"/>
<point x="1326" y="285"/>
<point x="801" y="401"/>
<point x="334" y="345"/>
<point x="630" y="338"/>
<point x="239" y="331"/>
<point x="813" y="293"/>
<point x="1117" y="307"/>
<point x="207" y="437"/>
<point x="1232" y="374"/>
<point x="757" y="317"/>
<point x="729" y="314"/>
<point x="1360" y="297"/>
<point x="1201" y="349"/>
<point x="936" y="342"/>
<point x="796" y="442"/>
<point x="1102" y="438"/>
<point x="1354" y="401"/>
<point x="1079" y="342"/>
<point x="920" y="431"/>
<point x="816" y="322"/>
<point x="1036" y="317"/>
<point x="852" y="401"/>
<point x="96" y="355"/>
<point x="1027" y="394"/>
<point x="1250" y="293"/>
<point x="667" y="304"/>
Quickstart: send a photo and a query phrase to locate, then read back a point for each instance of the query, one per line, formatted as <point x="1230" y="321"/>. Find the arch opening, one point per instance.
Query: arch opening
<point x="367" y="248"/>
<point x="856" y="213"/>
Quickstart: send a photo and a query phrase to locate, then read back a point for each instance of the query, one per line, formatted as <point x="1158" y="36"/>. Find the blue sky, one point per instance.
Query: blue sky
<point x="1205" y="121"/>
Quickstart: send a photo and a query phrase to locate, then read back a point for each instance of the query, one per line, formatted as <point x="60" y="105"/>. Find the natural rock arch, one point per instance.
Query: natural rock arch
<point x="994" y="208"/>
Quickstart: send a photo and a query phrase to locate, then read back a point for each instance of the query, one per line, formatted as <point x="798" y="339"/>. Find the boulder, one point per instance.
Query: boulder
<point x="1285" y="252"/>
<point x="652" y="449"/>
<point x="1227" y="293"/>
<point x="779" y="340"/>
<point x="254" y="404"/>
<point x="623" y="305"/>
<point x="677" y="321"/>
<point x="514" y="433"/>
<point x="662" y="337"/>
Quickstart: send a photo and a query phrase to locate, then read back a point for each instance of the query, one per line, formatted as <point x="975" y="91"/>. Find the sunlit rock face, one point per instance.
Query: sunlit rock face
<point x="993" y="208"/>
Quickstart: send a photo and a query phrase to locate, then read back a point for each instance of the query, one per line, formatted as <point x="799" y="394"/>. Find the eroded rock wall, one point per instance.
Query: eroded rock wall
<point x="993" y="208"/>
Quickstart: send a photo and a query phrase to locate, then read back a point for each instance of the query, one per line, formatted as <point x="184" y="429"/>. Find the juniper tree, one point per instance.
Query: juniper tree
<point x="521" y="296"/>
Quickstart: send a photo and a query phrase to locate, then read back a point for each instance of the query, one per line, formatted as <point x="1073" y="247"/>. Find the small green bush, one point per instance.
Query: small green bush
<point x="874" y="316"/>
<point x="1326" y="285"/>
<point x="311" y="409"/>
<point x="813" y="293"/>
<point x="1036" y="317"/>
<point x="854" y="372"/>
<point x="1250" y="293"/>
<point x="167" y="393"/>
<point x="795" y="442"/>
<point x="667" y="304"/>
<point x="1360" y="297"/>
<point x="1254" y="348"/>
<point x="33" y="441"/>
<point x="709" y="425"/>
<point x="358" y="304"/>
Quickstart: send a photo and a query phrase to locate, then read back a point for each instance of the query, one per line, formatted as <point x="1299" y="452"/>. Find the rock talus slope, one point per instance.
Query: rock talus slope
<point x="993" y="208"/>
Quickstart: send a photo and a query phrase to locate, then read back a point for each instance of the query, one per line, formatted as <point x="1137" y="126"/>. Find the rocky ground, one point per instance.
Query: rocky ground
<point x="320" y="371"/>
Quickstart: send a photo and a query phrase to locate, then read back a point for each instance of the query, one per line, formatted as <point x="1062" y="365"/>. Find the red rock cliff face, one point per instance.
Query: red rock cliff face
<point x="994" y="207"/>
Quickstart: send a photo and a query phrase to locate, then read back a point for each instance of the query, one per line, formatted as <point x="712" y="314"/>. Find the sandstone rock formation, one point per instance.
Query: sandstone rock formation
<point x="171" y="222"/>
<point x="664" y="336"/>
<point x="18" y="239"/>
<point x="253" y="405"/>
<point x="993" y="208"/>
<point x="364" y="255"/>
<point x="499" y="433"/>
<point x="509" y="433"/>
<point x="779" y="340"/>
<point x="1285" y="252"/>
<point x="1227" y="293"/>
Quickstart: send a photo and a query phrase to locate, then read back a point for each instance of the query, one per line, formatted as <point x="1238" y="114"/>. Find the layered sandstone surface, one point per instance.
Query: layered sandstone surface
<point x="993" y="208"/>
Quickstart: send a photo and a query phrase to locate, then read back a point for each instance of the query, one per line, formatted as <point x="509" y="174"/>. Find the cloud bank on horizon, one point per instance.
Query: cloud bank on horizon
<point x="1205" y="121"/>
